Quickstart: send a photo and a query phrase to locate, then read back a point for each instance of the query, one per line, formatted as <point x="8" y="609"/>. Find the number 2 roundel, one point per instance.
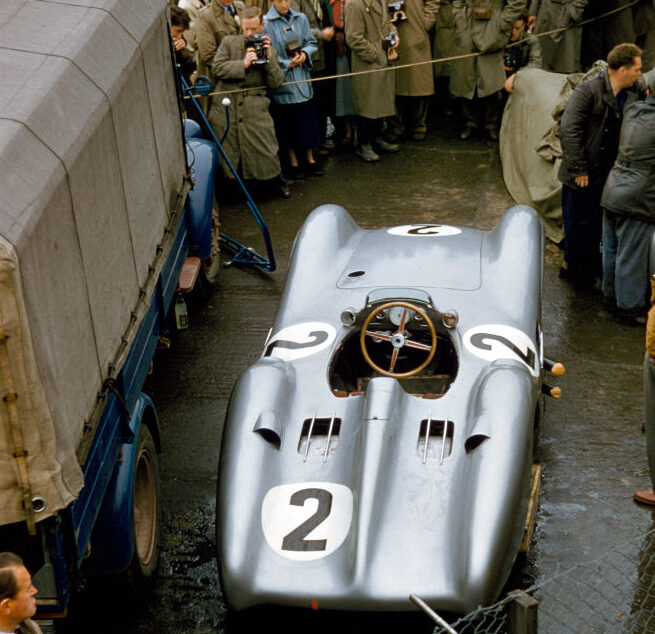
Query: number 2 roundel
<point x="497" y="341"/>
<point x="307" y="520"/>
<point x="425" y="230"/>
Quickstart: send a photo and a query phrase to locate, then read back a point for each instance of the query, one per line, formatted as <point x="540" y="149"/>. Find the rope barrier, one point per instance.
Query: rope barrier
<point x="441" y="60"/>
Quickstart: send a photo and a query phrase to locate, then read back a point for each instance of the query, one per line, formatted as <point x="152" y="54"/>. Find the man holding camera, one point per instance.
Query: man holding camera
<point x="249" y="61"/>
<point x="373" y="44"/>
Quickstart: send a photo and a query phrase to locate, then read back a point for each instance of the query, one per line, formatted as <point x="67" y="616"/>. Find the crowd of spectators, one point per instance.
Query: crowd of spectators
<point x="374" y="109"/>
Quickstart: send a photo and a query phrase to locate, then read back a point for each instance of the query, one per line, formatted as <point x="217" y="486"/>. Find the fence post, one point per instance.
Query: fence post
<point x="522" y="613"/>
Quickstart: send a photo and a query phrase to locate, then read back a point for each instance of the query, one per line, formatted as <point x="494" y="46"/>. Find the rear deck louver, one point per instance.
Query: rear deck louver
<point x="319" y="437"/>
<point x="435" y="439"/>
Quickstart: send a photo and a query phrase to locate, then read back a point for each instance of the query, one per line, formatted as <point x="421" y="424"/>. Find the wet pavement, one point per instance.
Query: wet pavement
<point x="590" y="442"/>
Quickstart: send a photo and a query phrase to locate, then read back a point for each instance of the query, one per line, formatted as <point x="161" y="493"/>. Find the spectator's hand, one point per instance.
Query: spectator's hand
<point x="509" y="83"/>
<point x="250" y="57"/>
<point x="179" y="44"/>
<point x="327" y="33"/>
<point x="532" y="21"/>
<point x="298" y="60"/>
<point x="267" y="46"/>
<point x="582" y="181"/>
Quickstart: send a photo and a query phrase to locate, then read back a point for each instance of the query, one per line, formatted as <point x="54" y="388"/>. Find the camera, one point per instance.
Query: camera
<point x="293" y="48"/>
<point x="389" y="41"/>
<point x="512" y="59"/>
<point x="396" y="11"/>
<point x="256" y="42"/>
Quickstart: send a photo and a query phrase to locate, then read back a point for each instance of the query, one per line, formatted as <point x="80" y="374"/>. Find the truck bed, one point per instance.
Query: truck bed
<point x="91" y="168"/>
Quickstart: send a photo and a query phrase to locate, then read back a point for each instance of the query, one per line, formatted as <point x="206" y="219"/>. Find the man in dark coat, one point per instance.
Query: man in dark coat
<point x="629" y="213"/>
<point x="590" y="134"/>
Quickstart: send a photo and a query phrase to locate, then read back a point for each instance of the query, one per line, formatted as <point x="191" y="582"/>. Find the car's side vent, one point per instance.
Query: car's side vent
<point x="435" y="439"/>
<point x="319" y="437"/>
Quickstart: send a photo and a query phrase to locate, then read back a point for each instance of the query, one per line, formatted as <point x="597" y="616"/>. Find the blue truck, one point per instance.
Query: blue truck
<point x="107" y="215"/>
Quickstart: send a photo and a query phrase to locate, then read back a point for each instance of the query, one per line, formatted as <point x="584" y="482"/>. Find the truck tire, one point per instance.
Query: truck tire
<point x="146" y="517"/>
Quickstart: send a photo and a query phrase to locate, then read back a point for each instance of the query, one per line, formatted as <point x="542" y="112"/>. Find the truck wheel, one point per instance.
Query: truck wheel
<point x="146" y="519"/>
<point x="211" y="266"/>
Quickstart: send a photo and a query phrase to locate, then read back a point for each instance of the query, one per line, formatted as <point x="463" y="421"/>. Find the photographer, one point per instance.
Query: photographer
<point x="373" y="43"/>
<point x="525" y="52"/>
<point x="296" y="123"/>
<point x="244" y="61"/>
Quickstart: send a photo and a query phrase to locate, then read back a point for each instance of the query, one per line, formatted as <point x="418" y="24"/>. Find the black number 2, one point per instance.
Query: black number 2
<point x="478" y="340"/>
<point x="295" y="540"/>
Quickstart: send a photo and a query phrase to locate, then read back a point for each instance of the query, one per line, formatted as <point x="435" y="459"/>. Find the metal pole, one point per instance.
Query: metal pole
<point x="431" y="613"/>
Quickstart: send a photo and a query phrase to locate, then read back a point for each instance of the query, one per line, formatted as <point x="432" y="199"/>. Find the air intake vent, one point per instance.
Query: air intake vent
<point x="435" y="439"/>
<point x="319" y="437"/>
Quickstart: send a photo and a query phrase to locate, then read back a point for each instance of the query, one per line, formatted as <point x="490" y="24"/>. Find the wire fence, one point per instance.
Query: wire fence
<point x="614" y="593"/>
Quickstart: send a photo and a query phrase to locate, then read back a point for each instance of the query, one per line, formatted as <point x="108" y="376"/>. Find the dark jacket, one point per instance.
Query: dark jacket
<point x="590" y="131"/>
<point x="630" y="186"/>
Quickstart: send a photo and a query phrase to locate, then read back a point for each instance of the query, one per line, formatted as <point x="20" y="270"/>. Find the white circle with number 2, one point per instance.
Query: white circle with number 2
<point x="304" y="521"/>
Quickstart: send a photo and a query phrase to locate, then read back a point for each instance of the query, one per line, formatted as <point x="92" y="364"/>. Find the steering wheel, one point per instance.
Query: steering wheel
<point x="399" y="339"/>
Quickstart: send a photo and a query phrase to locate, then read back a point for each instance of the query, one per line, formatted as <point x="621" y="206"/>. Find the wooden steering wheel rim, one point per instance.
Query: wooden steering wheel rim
<point x="423" y="315"/>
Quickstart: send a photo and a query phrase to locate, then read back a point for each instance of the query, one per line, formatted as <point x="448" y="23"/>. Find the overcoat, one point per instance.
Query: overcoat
<point x="630" y="186"/>
<point x="444" y="35"/>
<point x="316" y="27"/>
<point x="281" y="33"/>
<point x="373" y="93"/>
<point x="561" y="51"/>
<point x="251" y="135"/>
<point x="483" y="75"/>
<point x="414" y="47"/>
<point x="212" y="24"/>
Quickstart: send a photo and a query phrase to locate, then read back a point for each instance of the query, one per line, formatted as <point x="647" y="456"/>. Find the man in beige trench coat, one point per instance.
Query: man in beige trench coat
<point x="416" y="84"/>
<point x="250" y="143"/>
<point x="481" y="26"/>
<point x="366" y="26"/>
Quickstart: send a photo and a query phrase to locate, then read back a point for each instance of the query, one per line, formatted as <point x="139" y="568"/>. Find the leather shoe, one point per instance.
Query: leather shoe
<point x="466" y="133"/>
<point x="386" y="145"/>
<point x="645" y="496"/>
<point x="493" y="134"/>
<point x="367" y="153"/>
<point x="284" y="191"/>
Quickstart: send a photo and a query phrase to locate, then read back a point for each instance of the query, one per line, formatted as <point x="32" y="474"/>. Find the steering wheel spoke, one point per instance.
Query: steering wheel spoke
<point x="400" y="338"/>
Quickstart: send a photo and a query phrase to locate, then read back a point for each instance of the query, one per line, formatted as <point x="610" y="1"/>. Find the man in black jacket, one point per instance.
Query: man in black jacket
<point x="590" y="134"/>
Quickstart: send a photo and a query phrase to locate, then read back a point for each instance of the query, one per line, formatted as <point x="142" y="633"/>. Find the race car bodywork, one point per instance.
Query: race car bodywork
<point x="344" y="487"/>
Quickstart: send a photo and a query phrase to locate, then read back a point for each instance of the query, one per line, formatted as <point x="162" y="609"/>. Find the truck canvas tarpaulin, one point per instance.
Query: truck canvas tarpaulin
<point x="91" y="164"/>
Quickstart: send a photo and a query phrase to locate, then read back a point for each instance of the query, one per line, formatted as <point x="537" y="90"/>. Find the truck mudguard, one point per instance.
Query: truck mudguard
<point x="203" y="160"/>
<point x="112" y="540"/>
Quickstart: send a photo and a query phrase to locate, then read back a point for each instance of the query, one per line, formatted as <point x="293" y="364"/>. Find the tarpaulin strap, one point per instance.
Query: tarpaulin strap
<point x="110" y="386"/>
<point x="19" y="453"/>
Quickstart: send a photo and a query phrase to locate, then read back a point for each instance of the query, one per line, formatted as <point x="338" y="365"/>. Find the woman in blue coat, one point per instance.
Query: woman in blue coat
<point x="296" y="124"/>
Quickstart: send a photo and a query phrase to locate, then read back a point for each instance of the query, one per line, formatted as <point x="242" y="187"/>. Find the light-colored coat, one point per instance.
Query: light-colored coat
<point x="485" y="73"/>
<point x="414" y="47"/>
<point x="373" y="93"/>
<point x="212" y="24"/>
<point x="561" y="51"/>
<point x="281" y="32"/>
<point x="444" y="34"/>
<point x="251" y="136"/>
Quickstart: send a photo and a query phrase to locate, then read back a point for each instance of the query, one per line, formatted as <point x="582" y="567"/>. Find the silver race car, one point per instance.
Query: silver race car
<point x="382" y="444"/>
